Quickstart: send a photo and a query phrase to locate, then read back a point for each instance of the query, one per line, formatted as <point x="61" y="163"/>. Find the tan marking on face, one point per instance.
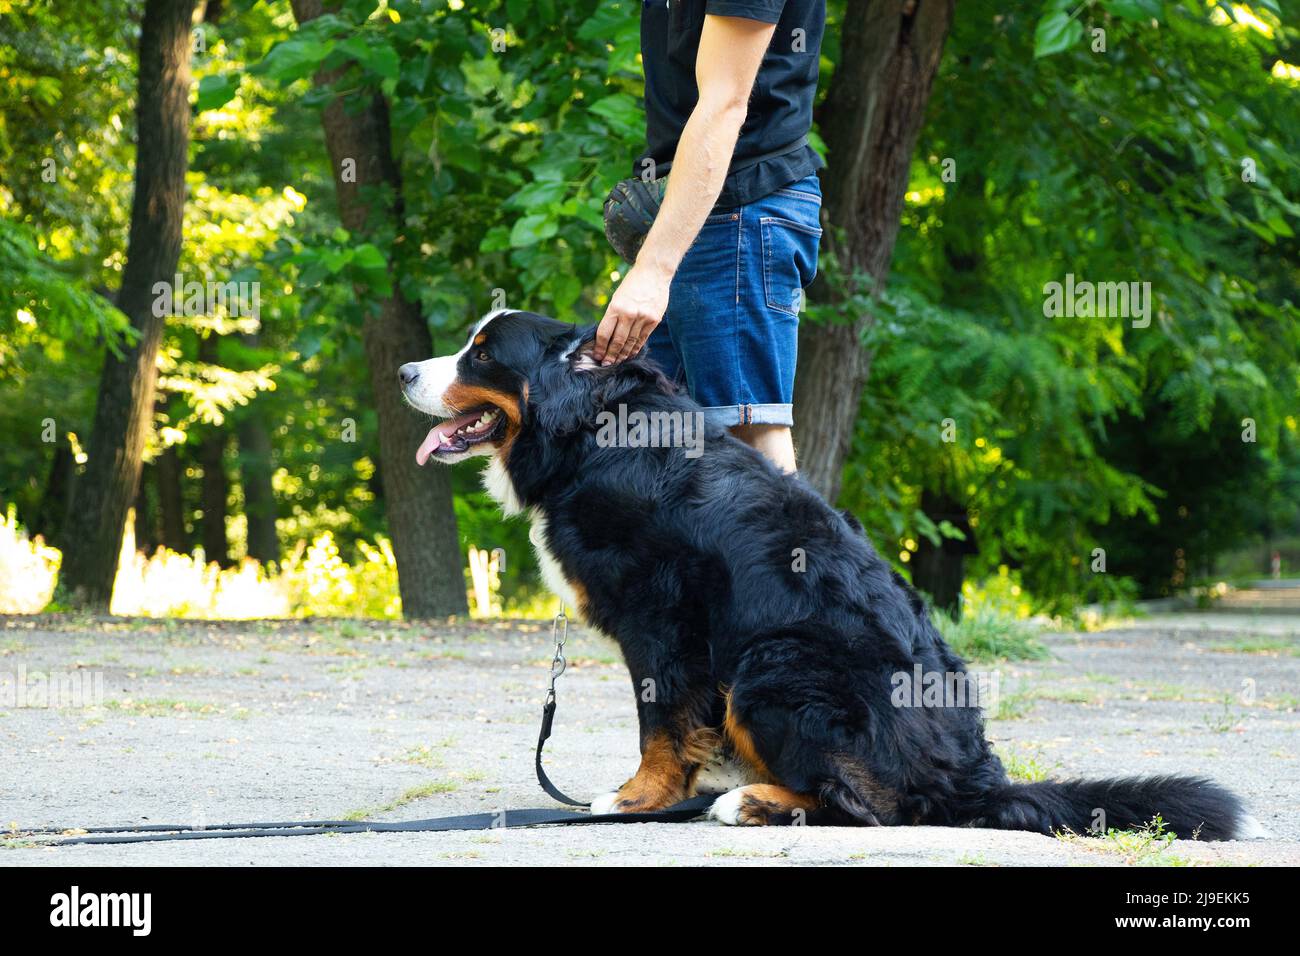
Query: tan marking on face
<point x="463" y="397"/>
<point x="480" y="338"/>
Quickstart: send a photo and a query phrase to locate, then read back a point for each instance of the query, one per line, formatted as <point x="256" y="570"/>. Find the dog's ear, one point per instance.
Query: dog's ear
<point x="580" y="354"/>
<point x="559" y="400"/>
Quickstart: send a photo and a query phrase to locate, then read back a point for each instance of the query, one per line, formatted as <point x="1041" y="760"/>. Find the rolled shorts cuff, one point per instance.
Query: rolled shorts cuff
<point x="729" y="416"/>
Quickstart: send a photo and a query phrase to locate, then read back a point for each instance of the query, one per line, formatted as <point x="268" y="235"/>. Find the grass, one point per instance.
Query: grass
<point x="1172" y="692"/>
<point x="726" y="852"/>
<point x="1069" y="695"/>
<point x="408" y="796"/>
<point x="1026" y="768"/>
<point x="159" y="707"/>
<point x="1020" y="704"/>
<point x="1146" y="846"/>
<point x="17" y="843"/>
<point x="989" y="635"/>
<point x="1271" y="646"/>
<point x="1225" y="719"/>
<point x="422" y="756"/>
<point x="1013" y="706"/>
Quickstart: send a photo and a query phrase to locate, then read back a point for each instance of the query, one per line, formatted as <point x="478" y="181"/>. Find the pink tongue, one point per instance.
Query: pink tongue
<point x="429" y="445"/>
<point x="440" y="435"/>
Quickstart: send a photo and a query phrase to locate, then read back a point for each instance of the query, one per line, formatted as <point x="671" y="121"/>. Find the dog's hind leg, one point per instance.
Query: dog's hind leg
<point x="763" y="805"/>
<point x="804" y="777"/>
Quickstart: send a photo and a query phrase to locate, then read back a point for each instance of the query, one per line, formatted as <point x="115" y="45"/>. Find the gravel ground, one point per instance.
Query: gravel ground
<point x="214" y="723"/>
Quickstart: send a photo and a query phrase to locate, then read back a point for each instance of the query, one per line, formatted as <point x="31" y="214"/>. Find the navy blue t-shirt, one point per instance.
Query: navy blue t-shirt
<point x="780" y="106"/>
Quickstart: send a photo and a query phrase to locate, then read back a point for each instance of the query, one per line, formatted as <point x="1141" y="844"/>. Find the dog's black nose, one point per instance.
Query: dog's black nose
<point x="408" y="373"/>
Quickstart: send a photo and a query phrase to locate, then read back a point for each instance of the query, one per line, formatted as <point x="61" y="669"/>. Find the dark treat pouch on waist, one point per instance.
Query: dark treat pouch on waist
<point x="630" y="211"/>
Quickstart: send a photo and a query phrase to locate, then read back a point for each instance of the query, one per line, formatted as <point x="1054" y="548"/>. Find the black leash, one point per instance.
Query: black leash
<point x="559" y="634"/>
<point x="500" y="819"/>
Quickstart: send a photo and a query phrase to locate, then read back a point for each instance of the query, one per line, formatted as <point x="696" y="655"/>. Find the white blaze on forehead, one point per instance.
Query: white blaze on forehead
<point x="482" y="323"/>
<point x="438" y="374"/>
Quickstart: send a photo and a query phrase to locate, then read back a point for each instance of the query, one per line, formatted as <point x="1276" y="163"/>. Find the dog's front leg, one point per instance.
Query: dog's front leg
<point x="676" y="739"/>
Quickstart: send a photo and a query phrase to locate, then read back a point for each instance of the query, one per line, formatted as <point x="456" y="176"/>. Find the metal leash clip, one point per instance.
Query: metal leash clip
<point x="559" y="634"/>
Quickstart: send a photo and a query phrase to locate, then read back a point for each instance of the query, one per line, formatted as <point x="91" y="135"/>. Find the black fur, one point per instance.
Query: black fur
<point x="688" y="565"/>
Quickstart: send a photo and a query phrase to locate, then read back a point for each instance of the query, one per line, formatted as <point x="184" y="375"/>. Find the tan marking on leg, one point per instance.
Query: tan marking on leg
<point x="699" y="747"/>
<point x="660" y="781"/>
<point x="699" y="744"/>
<point x="742" y="742"/>
<point x="764" y="803"/>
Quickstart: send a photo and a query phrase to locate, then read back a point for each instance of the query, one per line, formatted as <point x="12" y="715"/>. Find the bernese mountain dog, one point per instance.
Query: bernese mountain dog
<point x="766" y="639"/>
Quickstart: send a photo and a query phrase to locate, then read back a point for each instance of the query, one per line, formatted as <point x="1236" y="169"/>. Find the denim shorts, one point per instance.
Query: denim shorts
<point x="730" y="334"/>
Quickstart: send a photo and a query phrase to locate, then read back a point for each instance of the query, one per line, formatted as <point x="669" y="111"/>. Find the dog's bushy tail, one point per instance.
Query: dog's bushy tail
<point x="1191" y="807"/>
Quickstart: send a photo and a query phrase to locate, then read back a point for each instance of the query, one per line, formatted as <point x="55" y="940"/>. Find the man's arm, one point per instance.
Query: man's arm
<point x="731" y="50"/>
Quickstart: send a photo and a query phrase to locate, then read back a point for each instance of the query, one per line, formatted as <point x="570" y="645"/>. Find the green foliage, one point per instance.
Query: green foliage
<point x="990" y="636"/>
<point x="42" y="302"/>
<point x="1173" y="157"/>
<point x="1073" y="434"/>
<point x="993" y="624"/>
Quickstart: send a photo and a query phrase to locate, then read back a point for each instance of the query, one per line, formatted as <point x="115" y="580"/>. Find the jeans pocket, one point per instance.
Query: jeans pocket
<point x="789" y="261"/>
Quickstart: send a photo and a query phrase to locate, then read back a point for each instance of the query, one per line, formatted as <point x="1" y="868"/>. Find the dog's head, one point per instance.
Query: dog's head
<point x="517" y="370"/>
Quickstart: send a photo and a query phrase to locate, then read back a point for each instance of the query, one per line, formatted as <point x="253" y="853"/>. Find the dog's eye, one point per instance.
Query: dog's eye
<point x="482" y="356"/>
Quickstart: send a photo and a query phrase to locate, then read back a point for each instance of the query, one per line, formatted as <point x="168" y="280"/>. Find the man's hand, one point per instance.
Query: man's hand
<point x="635" y="309"/>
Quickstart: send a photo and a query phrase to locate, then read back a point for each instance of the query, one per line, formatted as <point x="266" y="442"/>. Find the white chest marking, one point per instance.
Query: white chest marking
<point x="552" y="573"/>
<point x="722" y="774"/>
<point x="497" y="483"/>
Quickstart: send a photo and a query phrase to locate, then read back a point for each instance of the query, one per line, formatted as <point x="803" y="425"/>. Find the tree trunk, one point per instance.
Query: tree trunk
<point x="146" y="538"/>
<point x="103" y="494"/>
<point x="255" y="473"/>
<point x="52" y="514"/>
<point x="255" y="470"/>
<point x="418" y="501"/>
<point x="214" y="489"/>
<point x="939" y="570"/>
<point x="890" y="51"/>
<point x="171" y="504"/>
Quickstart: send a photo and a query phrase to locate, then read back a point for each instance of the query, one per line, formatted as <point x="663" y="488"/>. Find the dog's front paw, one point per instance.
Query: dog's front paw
<point x="605" y="803"/>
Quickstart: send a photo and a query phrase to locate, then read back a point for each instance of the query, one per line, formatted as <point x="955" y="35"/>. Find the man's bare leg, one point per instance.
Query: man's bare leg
<point x="774" y="441"/>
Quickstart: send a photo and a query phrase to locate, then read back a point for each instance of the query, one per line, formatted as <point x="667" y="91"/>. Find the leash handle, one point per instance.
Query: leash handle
<point x="559" y="634"/>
